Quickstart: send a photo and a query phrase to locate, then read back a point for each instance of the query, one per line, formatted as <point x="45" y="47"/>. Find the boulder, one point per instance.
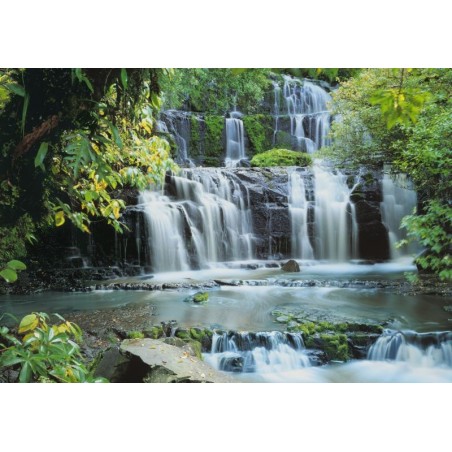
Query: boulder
<point x="166" y="363"/>
<point x="291" y="266"/>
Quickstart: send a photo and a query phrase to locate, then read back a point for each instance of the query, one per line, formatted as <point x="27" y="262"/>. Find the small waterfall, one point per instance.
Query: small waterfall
<point x="165" y="222"/>
<point x="257" y="352"/>
<point x="235" y="140"/>
<point x="307" y="107"/>
<point x="420" y="349"/>
<point x="298" y="209"/>
<point x="399" y="200"/>
<point x="206" y="220"/>
<point x="336" y="230"/>
<point x="178" y="124"/>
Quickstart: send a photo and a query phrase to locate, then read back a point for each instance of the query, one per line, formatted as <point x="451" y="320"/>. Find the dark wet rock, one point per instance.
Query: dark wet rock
<point x="291" y="266"/>
<point x="228" y="282"/>
<point x="232" y="362"/>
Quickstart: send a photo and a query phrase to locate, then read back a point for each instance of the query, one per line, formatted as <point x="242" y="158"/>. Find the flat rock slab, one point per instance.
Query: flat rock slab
<point x="170" y="364"/>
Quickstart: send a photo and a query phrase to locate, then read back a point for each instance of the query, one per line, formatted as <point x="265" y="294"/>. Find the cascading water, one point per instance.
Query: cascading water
<point x="257" y="352"/>
<point x="235" y="140"/>
<point x="336" y="230"/>
<point x="399" y="200"/>
<point x="298" y="209"/>
<point x="178" y="124"/>
<point x="207" y="220"/>
<point x="335" y="233"/>
<point x="307" y="107"/>
<point x="419" y="349"/>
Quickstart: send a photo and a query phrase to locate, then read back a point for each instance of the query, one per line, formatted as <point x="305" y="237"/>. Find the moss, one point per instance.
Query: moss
<point x="155" y="332"/>
<point x="197" y="349"/>
<point x="214" y="136"/>
<point x="200" y="297"/>
<point x="135" y="335"/>
<point x="259" y="130"/>
<point x="281" y="157"/>
<point x="283" y="139"/>
<point x="13" y="239"/>
<point x="195" y="137"/>
<point x="335" y="346"/>
<point x="183" y="334"/>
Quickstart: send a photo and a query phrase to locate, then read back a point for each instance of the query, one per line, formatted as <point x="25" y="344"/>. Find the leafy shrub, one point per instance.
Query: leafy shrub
<point x="281" y="157"/>
<point x="44" y="352"/>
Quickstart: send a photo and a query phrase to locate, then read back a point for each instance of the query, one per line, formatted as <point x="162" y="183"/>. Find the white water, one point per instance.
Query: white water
<point x="336" y="230"/>
<point x="335" y="227"/>
<point x="207" y="221"/>
<point x="257" y="352"/>
<point x="235" y="140"/>
<point x="298" y="209"/>
<point x="420" y="350"/>
<point x="399" y="200"/>
<point x="306" y="104"/>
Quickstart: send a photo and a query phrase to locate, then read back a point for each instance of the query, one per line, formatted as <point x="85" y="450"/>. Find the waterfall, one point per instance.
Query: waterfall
<point x="298" y="209"/>
<point x="306" y="105"/>
<point x="206" y="220"/>
<point x="178" y="124"/>
<point x="421" y="349"/>
<point x="235" y="140"/>
<point x="257" y="352"/>
<point x="399" y="200"/>
<point x="165" y="223"/>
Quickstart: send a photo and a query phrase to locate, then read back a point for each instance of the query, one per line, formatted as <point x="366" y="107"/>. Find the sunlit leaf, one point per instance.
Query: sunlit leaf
<point x="59" y="218"/>
<point x="28" y="323"/>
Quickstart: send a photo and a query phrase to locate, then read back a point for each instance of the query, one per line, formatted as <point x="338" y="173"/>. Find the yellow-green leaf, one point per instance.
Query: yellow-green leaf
<point x="28" y="323"/>
<point x="16" y="265"/>
<point x="59" y="218"/>
<point x="8" y="275"/>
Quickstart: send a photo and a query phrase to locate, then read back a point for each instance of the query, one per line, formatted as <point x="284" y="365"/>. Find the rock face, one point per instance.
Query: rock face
<point x="291" y="266"/>
<point x="153" y="361"/>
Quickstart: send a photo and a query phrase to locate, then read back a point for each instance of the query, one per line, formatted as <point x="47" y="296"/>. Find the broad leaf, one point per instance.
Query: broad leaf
<point x="16" y="265"/>
<point x="28" y="323"/>
<point x="8" y="275"/>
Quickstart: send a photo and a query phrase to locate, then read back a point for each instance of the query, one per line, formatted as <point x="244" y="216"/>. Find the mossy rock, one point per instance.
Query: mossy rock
<point x="281" y="157"/>
<point x="259" y="131"/>
<point x="183" y="334"/>
<point x="198" y="298"/>
<point x="135" y="335"/>
<point x="156" y="332"/>
<point x="335" y="346"/>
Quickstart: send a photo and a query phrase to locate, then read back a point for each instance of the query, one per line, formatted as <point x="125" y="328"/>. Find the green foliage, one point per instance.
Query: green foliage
<point x="214" y="137"/>
<point x="45" y="352"/>
<point x="14" y="239"/>
<point x="135" y="334"/>
<point x="215" y="90"/>
<point x="88" y="131"/>
<point x="9" y="272"/>
<point x="400" y="106"/>
<point x="281" y="157"/>
<point x="259" y="130"/>
<point x="433" y="230"/>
